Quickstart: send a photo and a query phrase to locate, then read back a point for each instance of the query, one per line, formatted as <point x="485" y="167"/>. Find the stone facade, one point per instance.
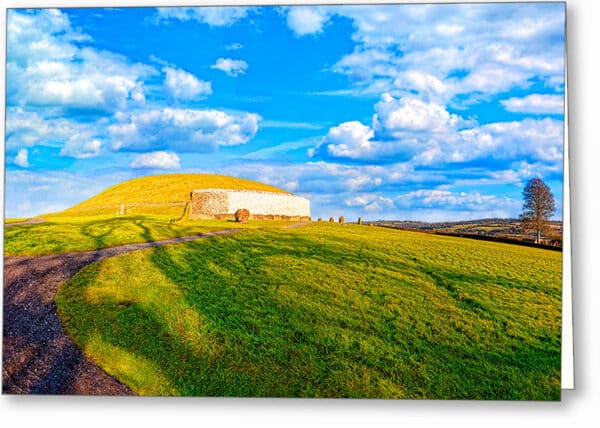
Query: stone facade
<point x="223" y="203"/>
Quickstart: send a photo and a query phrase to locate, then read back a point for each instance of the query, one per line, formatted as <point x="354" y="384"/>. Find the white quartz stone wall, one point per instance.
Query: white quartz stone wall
<point x="208" y="202"/>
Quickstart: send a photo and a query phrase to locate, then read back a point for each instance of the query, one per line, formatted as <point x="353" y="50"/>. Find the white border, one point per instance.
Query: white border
<point x="578" y="407"/>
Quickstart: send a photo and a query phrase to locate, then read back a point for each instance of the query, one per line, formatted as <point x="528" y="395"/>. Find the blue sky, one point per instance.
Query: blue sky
<point x="422" y="112"/>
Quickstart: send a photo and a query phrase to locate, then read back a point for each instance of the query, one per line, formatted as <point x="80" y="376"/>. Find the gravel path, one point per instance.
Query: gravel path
<point x="38" y="356"/>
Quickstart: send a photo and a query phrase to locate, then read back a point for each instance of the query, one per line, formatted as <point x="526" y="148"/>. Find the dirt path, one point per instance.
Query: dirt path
<point x="38" y="356"/>
<point x="20" y="223"/>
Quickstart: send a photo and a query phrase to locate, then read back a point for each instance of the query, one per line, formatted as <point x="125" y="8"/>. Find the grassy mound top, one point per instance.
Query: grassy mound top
<point x="167" y="188"/>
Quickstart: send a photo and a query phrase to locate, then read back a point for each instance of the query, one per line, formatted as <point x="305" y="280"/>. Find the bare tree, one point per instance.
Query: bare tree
<point x="538" y="207"/>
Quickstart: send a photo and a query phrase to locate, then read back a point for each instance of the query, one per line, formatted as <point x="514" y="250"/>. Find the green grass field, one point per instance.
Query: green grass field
<point x="323" y="311"/>
<point x="65" y="234"/>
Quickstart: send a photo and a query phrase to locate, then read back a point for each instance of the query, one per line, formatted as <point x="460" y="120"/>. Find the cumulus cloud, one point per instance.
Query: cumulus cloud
<point x="537" y="139"/>
<point x="75" y="139"/>
<point x="27" y="129"/>
<point x="185" y="86"/>
<point x="426" y="134"/>
<point x="401" y="127"/>
<point x="159" y="160"/>
<point x="182" y="129"/>
<point x="522" y="171"/>
<point x="396" y="116"/>
<point x="370" y="202"/>
<point x="425" y="84"/>
<point x="46" y="67"/>
<point x="349" y="139"/>
<point x="304" y="20"/>
<point x="434" y="41"/>
<point x="213" y="16"/>
<point x="82" y="146"/>
<point x="535" y="103"/>
<point x="36" y="36"/>
<point x="233" y="67"/>
<point x="22" y="159"/>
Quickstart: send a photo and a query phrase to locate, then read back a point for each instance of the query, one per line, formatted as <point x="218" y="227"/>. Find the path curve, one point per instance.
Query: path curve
<point x="38" y="355"/>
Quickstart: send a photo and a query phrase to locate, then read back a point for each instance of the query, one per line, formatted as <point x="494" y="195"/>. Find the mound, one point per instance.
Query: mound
<point x="160" y="194"/>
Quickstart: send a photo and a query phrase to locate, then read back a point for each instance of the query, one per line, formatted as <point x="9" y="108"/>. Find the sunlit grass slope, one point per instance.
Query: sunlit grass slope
<point x="82" y="233"/>
<point x="324" y="311"/>
<point x="15" y="220"/>
<point x="166" y="188"/>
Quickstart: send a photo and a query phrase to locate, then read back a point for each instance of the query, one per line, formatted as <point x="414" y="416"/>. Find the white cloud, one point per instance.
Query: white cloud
<point x="370" y="202"/>
<point x="233" y="67"/>
<point x="290" y="124"/>
<point x="234" y="46"/>
<point x="185" y="86"/>
<point x="214" y="16"/>
<point x="451" y="201"/>
<point x="424" y="83"/>
<point x="535" y="103"/>
<point x="36" y="36"/>
<point x="365" y="65"/>
<point x="27" y="129"/>
<point x="22" y="159"/>
<point x="75" y="139"/>
<point x="305" y="20"/>
<point x="402" y="127"/>
<point x="540" y="139"/>
<point x="182" y="129"/>
<point x="82" y="146"/>
<point x="349" y="139"/>
<point x="524" y="171"/>
<point x="326" y="177"/>
<point x="45" y="67"/>
<point x="160" y="160"/>
<point x="427" y="134"/>
<point x="437" y="40"/>
<point x="407" y="114"/>
<point x="449" y="30"/>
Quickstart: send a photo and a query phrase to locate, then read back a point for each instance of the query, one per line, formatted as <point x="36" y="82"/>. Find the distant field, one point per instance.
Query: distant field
<point x="324" y="311"/>
<point x="511" y="229"/>
<point x="66" y="234"/>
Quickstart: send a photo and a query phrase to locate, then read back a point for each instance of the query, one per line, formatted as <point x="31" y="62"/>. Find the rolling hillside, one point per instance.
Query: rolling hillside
<point x="160" y="194"/>
<point x="324" y="311"/>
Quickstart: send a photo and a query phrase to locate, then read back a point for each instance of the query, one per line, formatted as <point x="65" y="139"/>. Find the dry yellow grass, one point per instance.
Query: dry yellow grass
<point x="167" y="188"/>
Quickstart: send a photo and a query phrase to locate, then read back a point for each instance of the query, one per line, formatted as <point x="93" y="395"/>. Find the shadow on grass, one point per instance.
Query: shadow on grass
<point x="283" y="334"/>
<point x="90" y="234"/>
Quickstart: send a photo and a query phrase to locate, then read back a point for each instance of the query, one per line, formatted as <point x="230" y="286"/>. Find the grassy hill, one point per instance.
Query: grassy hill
<point x="160" y="189"/>
<point x="324" y="311"/>
<point x="83" y="233"/>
